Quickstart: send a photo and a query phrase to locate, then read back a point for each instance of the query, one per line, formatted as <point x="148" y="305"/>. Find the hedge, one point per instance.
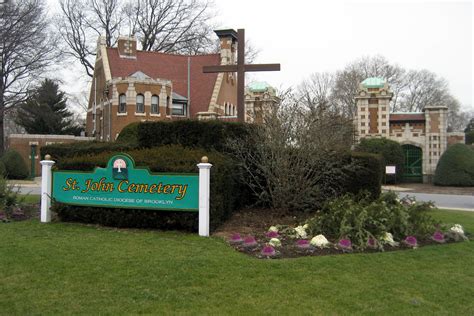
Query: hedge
<point x="456" y="167"/>
<point x="15" y="166"/>
<point x="390" y="150"/>
<point x="60" y="151"/>
<point x="365" y="173"/>
<point x="129" y="134"/>
<point x="225" y="189"/>
<point x="191" y="133"/>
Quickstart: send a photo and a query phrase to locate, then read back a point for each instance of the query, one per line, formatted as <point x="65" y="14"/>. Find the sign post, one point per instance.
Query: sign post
<point x="46" y="176"/>
<point x="204" y="194"/>
<point x="122" y="185"/>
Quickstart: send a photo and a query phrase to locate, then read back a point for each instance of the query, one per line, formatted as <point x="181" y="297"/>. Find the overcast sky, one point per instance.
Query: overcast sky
<point x="323" y="36"/>
<point x="317" y="36"/>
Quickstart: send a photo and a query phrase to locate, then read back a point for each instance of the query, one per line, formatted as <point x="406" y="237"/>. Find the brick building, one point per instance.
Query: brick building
<point x="423" y="136"/>
<point x="130" y="85"/>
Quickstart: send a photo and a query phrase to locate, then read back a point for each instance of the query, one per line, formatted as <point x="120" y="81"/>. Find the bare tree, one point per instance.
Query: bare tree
<point x="26" y="50"/>
<point x="177" y="26"/>
<point x="289" y="161"/>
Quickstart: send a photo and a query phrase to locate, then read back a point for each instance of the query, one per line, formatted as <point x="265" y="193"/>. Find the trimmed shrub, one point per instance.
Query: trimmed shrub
<point x="191" y="133"/>
<point x="60" y="151"/>
<point x="390" y="150"/>
<point x="129" y="134"/>
<point x="365" y="173"/>
<point x="225" y="190"/>
<point x="456" y="167"/>
<point x="15" y="166"/>
<point x="469" y="138"/>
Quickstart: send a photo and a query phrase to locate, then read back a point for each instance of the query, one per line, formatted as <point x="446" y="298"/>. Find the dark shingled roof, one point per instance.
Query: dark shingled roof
<point x="171" y="67"/>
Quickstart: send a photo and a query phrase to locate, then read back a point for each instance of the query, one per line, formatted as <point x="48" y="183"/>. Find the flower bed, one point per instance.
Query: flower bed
<point x="387" y="224"/>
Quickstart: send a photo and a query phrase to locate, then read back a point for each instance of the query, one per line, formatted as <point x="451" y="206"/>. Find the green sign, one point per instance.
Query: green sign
<point x="122" y="185"/>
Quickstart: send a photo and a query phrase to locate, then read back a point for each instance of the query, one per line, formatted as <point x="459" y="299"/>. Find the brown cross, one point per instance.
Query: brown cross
<point x="241" y="68"/>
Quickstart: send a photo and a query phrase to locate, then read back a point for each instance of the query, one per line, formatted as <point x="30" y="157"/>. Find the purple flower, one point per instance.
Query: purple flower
<point x="411" y="241"/>
<point x="302" y="243"/>
<point x="345" y="244"/>
<point x="438" y="237"/>
<point x="272" y="234"/>
<point x="268" y="251"/>
<point x="250" y="241"/>
<point x="235" y="239"/>
<point x="371" y="243"/>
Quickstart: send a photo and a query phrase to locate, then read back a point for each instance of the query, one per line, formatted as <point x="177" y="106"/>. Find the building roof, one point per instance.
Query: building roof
<point x="373" y="82"/>
<point x="259" y="86"/>
<point x="405" y="117"/>
<point x="171" y="67"/>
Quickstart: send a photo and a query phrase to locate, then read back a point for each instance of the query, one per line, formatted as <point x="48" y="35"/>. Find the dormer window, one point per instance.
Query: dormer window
<point x="140" y="104"/>
<point x="155" y="100"/>
<point x="122" y="104"/>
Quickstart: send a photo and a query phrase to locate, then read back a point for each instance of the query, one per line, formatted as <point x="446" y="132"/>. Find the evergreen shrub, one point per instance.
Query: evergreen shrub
<point x="129" y="134"/>
<point x="360" y="218"/>
<point x="225" y="197"/>
<point x="192" y="133"/>
<point x="15" y="166"/>
<point x="469" y="138"/>
<point x="364" y="173"/>
<point x="2" y="169"/>
<point x="390" y="150"/>
<point x="456" y="167"/>
<point x="59" y="152"/>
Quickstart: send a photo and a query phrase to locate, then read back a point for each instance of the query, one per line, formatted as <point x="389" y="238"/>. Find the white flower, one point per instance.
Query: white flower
<point x="305" y="226"/>
<point x="388" y="239"/>
<point x="457" y="229"/>
<point x="275" y="242"/>
<point x="319" y="241"/>
<point x="301" y="232"/>
<point x="273" y="229"/>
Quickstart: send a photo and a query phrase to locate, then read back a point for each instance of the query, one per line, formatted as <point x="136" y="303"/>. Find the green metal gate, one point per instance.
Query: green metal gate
<point x="412" y="168"/>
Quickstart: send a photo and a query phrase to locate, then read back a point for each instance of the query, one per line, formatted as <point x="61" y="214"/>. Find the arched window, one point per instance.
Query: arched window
<point x="225" y="108"/>
<point x="122" y="104"/>
<point x="168" y="105"/>
<point x="155" y="100"/>
<point x="140" y="103"/>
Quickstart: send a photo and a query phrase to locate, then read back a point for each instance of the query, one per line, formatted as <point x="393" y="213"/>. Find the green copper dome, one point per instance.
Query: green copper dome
<point x="373" y="82"/>
<point x="259" y="86"/>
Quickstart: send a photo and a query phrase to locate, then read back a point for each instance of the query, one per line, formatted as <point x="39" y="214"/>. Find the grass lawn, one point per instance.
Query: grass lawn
<point x="63" y="268"/>
<point x="30" y="198"/>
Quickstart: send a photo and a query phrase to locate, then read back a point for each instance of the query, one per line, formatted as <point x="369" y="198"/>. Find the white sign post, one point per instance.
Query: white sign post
<point x="204" y="194"/>
<point x="46" y="176"/>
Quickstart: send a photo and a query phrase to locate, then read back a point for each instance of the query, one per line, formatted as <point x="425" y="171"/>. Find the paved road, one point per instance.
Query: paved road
<point x="444" y="200"/>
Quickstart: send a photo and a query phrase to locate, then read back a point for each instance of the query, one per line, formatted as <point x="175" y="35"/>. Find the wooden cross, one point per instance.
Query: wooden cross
<point x="241" y="68"/>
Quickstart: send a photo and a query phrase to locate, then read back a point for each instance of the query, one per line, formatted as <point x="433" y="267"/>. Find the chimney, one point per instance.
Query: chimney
<point x="228" y="41"/>
<point x="127" y="47"/>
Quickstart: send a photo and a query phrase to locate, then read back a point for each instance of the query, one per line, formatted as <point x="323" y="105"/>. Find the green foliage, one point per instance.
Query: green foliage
<point x="390" y="150"/>
<point x="45" y="111"/>
<point x="59" y="152"/>
<point x="364" y="173"/>
<point x="15" y="166"/>
<point x="2" y="169"/>
<point x="8" y="197"/>
<point x="129" y="134"/>
<point x="360" y="218"/>
<point x="191" y="133"/>
<point x="456" y="167"/>
<point x="226" y="193"/>
<point x="469" y="138"/>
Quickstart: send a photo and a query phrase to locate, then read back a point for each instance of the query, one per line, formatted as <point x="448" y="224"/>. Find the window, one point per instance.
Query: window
<point x="373" y="101"/>
<point x="362" y="116"/>
<point x="140" y="105"/>
<point x="179" y="109"/>
<point x="155" y="100"/>
<point x="168" y="105"/>
<point x="122" y="103"/>
<point x="362" y="124"/>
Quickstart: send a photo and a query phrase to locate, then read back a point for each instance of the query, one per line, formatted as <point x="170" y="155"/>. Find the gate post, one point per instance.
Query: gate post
<point x="204" y="193"/>
<point x="46" y="181"/>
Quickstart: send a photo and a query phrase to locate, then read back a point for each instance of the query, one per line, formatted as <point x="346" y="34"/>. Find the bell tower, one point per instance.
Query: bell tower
<point x="373" y="108"/>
